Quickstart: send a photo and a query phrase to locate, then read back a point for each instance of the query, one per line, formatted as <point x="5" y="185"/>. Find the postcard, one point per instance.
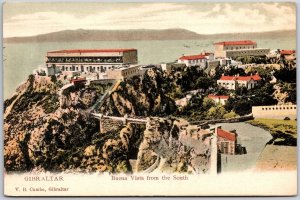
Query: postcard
<point x="150" y="99"/>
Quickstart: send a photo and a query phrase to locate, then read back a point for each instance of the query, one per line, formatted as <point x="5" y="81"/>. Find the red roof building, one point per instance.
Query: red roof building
<point x="218" y="96"/>
<point x="226" y="141"/>
<point x="194" y="60"/>
<point x="89" y="60"/>
<point x="234" y="49"/>
<point x="219" y="99"/>
<point x="287" y="52"/>
<point x="78" y="80"/>
<point x="231" y="82"/>
<point x="255" y="77"/>
<point x="192" y="57"/>
<point x="226" y="134"/>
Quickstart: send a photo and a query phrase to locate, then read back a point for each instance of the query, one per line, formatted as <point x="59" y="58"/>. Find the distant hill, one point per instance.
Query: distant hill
<point x="141" y="34"/>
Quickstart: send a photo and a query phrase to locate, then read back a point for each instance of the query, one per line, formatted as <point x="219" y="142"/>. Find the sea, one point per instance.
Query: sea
<point x="20" y="59"/>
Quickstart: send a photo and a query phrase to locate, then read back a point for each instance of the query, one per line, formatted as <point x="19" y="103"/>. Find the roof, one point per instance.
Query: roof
<point x="78" y="80"/>
<point x="91" y="50"/>
<point x="193" y="57"/>
<point x="287" y="52"/>
<point x="227" y="78"/>
<point x="218" y="96"/>
<point x="255" y="77"/>
<point x="226" y="134"/>
<point x="207" y="53"/>
<point x="241" y="42"/>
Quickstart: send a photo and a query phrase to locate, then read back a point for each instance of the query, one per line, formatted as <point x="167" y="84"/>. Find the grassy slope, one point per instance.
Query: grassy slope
<point x="284" y="132"/>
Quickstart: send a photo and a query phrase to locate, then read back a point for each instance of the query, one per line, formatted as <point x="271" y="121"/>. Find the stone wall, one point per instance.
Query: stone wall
<point x="230" y="120"/>
<point x="110" y="125"/>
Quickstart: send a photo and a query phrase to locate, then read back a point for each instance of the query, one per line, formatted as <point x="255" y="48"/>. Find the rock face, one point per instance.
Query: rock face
<point x="140" y="97"/>
<point x="41" y="134"/>
<point x="50" y="128"/>
<point x="168" y="147"/>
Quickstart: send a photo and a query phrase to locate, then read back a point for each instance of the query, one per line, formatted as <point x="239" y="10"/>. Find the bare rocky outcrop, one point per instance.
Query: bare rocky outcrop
<point x="167" y="147"/>
<point x="50" y="129"/>
<point x="140" y="97"/>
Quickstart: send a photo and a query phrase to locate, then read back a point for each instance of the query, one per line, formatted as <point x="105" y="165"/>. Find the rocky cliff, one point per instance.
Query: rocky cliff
<point x="140" y="97"/>
<point x="167" y="146"/>
<point x="47" y="128"/>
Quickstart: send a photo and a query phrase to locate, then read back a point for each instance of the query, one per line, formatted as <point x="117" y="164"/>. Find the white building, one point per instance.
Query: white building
<point x="196" y="60"/>
<point x="89" y="60"/>
<point x="276" y="111"/>
<point x="232" y="82"/>
<point x="219" y="99"/>
<point x="233" y="49"/>
<point x="123" y="72"/>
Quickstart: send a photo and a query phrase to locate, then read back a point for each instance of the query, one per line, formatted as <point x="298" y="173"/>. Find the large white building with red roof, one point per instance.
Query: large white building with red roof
<point x="196" y="60"/>
<point x="234" y="49"/>
<point x="233" y="82"/>
<point x="89" y="60"/>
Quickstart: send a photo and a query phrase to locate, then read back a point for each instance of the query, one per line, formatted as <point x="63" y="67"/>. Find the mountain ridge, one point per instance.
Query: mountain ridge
<point x="141" y="34"/>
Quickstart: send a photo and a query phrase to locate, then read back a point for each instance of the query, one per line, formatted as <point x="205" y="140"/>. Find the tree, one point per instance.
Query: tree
<point x="229" y="104"/>
<point x="242" y="107"/>
<point x="231" y="114"/>
<point x="241" y="91"/>
<point x="204" y="83"/>
<point x="216" y="112"/>
<point x="208" y="103"/>
<point x="53" y="78"/>
<point x="286" y="75"/>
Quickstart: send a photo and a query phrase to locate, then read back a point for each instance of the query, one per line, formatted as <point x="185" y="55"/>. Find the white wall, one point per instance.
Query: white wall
<point x="276" y="112"/>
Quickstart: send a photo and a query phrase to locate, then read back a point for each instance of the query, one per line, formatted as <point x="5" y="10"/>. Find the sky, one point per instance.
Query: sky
<point x="28" y="19"/>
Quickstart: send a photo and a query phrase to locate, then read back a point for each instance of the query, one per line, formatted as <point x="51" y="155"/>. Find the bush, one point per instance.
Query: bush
<point x="229" y="115"/>
<point x="53" y="78"/>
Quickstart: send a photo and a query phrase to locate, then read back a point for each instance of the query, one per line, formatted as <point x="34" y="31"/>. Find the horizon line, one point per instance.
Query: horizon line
<point x="150" y="29"/>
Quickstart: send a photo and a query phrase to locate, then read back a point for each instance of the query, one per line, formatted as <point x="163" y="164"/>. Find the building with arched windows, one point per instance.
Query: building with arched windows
<point x="88" y="60"/>
<point x="233" y="82"/>
<point x="234" y="49"/>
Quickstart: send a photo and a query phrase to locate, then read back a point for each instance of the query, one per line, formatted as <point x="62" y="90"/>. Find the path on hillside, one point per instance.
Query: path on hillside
<point x="99" y="102"/>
